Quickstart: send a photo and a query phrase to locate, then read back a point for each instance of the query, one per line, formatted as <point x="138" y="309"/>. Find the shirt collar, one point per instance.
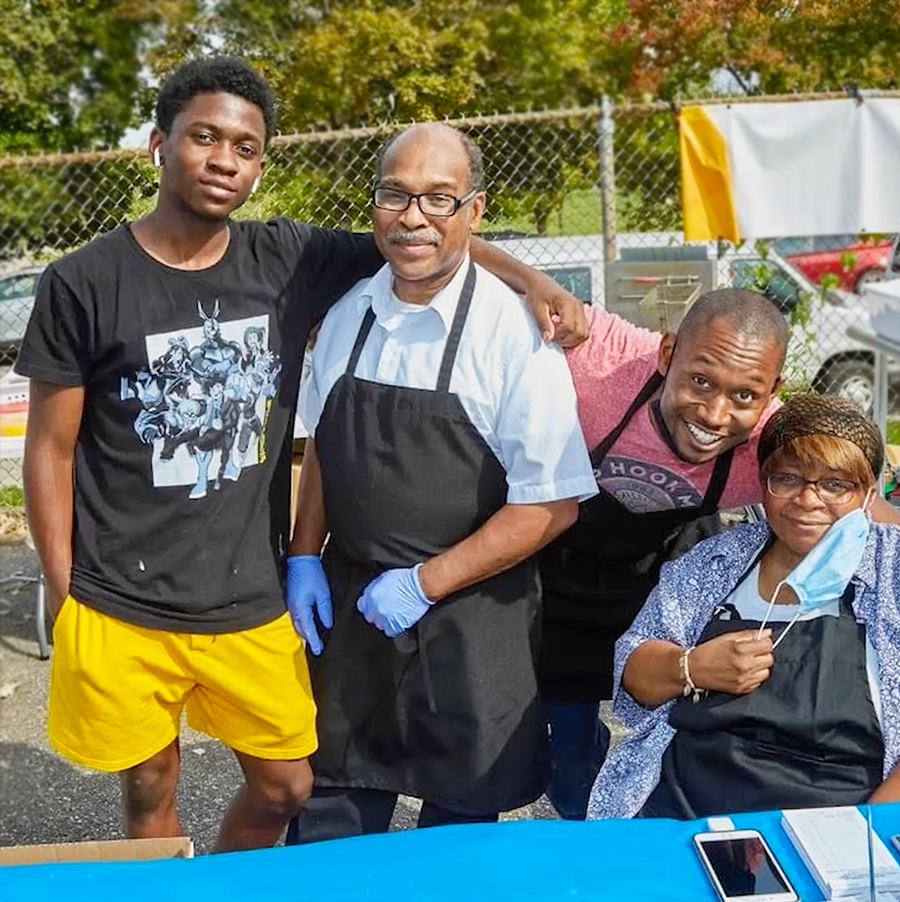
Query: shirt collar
<point x="384" y="302"/>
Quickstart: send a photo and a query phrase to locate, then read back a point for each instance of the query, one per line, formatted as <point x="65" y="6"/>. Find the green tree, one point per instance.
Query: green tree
<point x="70" y="80"/>
<point x="336" y="63"/>
<point x="670" y="48"/>
<point x="70" y="71"/>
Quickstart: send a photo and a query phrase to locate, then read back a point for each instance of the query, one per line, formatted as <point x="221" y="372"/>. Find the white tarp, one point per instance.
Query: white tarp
<point x="766" y="170"/>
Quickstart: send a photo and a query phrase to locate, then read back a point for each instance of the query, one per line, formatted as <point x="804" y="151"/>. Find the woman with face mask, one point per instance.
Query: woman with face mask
<point x="763" y="672"/>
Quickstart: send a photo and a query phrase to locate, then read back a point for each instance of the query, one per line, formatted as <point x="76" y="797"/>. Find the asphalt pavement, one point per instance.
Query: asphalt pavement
<point x="45" y="799"/>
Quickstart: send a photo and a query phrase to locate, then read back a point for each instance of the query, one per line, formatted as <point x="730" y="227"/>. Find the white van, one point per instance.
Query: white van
<point x="577" y="261"/>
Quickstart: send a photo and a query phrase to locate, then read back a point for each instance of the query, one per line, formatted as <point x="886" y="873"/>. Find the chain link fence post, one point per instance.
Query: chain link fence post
<point x="607" y="151"/>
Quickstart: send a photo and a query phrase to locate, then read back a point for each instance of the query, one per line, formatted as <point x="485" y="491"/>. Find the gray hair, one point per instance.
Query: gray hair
<point x="473" y="155"/>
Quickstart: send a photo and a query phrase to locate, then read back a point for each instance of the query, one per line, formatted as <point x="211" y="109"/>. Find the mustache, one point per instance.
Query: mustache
<point x="415" y="236"/>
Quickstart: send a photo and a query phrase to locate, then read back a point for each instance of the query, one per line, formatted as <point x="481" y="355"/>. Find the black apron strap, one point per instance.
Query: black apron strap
<point x="361" y="337"/>
<point x="644" y="395"/>
<point x="459" y="321"/>
<point x="717" y="482"/>
<point x="847" y="600"/>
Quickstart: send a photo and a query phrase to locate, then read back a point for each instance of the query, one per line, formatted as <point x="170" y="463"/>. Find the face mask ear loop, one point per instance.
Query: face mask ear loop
<point x="765" y="620"/>
<point x="870" y="496"/>
<point x="784" y="632"/>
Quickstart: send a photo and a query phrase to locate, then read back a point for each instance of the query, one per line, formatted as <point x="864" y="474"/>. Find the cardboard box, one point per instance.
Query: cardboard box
<point x="108" y="850"/>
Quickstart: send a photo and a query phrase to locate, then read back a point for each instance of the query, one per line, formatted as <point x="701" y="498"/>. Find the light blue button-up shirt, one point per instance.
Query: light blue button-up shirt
<point x="515" y="388"/>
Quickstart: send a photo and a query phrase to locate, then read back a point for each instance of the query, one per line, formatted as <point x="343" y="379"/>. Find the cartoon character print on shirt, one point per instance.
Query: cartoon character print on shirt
<point x="642" y="487"/>
<point x="205" y="400"/>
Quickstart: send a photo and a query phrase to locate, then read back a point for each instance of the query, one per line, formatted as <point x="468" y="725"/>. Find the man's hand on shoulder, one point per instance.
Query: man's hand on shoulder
<point x="559" y="314"/>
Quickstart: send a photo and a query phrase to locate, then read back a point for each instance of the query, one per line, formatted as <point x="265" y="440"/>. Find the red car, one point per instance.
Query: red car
<point x="853" y="260"/>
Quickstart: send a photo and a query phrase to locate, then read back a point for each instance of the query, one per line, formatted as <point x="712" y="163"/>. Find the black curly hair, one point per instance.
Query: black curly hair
<point x="214" y="75"/>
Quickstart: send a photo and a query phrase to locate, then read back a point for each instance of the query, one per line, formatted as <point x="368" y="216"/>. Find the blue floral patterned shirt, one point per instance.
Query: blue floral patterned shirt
<point x="678" y="610"/>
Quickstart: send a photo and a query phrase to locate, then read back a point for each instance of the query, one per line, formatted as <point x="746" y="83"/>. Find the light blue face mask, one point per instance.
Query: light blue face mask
<point x="825" y="572"/>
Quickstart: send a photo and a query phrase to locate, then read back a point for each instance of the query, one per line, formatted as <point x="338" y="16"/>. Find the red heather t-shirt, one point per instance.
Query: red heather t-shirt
<point x="640" y="470"/>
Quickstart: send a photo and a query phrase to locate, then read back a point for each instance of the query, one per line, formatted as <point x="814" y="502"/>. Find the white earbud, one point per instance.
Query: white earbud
<point x="255" y="185"/>
<point x="157" y="157"/>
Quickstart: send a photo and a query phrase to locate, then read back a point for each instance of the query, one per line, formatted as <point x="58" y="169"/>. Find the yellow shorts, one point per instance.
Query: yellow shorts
<point x="117" y="690"/>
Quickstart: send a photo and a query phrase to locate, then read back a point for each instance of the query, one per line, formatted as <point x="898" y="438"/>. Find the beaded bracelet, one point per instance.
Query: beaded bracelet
<point x="684" y="673"/>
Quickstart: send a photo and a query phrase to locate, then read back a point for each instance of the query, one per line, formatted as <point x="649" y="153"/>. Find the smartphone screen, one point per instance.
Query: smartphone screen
<point x="743" y="866"/>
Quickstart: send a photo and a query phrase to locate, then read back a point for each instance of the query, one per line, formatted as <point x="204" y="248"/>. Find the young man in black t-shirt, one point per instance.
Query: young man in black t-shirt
<point x="165" y="360"/>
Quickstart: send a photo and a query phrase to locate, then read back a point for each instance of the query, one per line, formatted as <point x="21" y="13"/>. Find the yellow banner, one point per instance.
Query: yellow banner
<point x="706" y="184"/>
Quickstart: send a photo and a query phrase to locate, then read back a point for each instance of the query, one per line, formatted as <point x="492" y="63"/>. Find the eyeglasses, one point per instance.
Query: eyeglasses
<point x="430" y="203"/>
<point x="831" y="491"/>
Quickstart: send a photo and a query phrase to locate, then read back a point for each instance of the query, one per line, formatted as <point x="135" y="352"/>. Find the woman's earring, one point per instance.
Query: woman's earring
<point x="157" y="157"/>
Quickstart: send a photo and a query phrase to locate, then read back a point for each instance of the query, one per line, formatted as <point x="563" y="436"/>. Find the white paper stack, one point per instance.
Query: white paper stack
<point x="833" y="843"/>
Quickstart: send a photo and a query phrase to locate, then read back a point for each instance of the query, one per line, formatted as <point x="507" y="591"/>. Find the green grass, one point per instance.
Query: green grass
<point x="580" y="215"/>
<point x="11" y="496"/>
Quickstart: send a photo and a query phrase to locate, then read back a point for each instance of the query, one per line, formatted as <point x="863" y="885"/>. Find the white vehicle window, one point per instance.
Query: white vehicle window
<point x="576" y="280"/>
<point x="16" y="287"/>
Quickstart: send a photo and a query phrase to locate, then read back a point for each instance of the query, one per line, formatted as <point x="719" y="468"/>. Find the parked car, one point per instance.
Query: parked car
<point x="17" y="290"/>
<point x="853" y="261"/>
<point x="821" y="355"/>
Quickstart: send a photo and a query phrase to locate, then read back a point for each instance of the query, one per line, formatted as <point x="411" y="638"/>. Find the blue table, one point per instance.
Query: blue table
<point x="517" y="860"/>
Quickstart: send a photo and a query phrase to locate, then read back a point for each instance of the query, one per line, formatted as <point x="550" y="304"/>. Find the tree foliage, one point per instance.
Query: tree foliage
<point x="70" y="71"/>
<point x="75" y="74"/>
<point x="670" y="48"/>
<point x="335" y="63"/>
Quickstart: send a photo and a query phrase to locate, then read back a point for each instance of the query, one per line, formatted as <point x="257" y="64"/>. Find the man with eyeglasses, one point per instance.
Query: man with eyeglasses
<point x="446" y="452"/>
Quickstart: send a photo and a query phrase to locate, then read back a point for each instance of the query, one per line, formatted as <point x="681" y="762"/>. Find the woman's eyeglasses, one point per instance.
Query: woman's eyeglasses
<point x="831" y="491"/>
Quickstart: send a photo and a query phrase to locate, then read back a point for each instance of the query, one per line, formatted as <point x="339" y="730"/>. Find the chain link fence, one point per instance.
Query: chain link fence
<point x="590" y="195"/>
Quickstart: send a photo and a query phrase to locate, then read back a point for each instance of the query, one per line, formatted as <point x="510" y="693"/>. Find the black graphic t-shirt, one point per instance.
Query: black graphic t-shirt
<point x="182" y="467"/>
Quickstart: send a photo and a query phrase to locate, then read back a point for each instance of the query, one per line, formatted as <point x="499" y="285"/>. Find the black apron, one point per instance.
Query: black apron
<point x="808" y="737"/>
<point x="598" y="574"/>
<point x="449" y="710"/>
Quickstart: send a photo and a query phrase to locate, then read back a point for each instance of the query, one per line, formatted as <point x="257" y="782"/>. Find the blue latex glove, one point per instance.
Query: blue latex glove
<point x="394" y="601"/>
<point x="305" y="591"/>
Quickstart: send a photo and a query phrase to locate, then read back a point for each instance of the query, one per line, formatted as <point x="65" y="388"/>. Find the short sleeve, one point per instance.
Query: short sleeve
<point x="537" y="428"/>
<point x="57" y="347"/>
<point x="329" y="356"/>
<point x="335" y="261"/>
<point x="310" y="402"/>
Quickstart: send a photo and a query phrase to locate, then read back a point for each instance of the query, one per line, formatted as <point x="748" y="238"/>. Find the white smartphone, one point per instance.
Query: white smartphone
<point x="742" y="867"/>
